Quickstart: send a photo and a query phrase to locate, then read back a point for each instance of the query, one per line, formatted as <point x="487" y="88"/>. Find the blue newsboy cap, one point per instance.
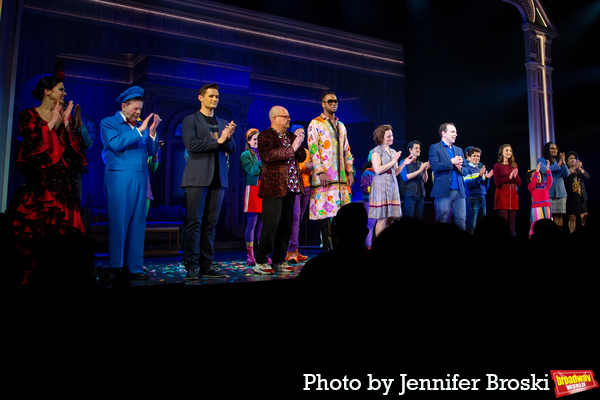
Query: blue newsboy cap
<point x="134" y="91"/>
<point x="294" y="127"/>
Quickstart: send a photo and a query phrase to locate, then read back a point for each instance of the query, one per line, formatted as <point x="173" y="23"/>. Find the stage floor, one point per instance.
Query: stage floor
<point x="168" y="270"/>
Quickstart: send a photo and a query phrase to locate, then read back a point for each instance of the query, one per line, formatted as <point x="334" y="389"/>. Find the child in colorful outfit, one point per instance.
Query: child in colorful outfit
<point x="252" y="166"/>
<point x="540" y="199"/>
<point x="366" y="178"/>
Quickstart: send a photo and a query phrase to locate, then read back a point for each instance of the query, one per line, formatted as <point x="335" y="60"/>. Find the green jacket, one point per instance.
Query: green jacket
<point x="251" y="167"/>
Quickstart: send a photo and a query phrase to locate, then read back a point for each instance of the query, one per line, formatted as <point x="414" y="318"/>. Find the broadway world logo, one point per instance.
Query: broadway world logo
<point x="572" y="381"/>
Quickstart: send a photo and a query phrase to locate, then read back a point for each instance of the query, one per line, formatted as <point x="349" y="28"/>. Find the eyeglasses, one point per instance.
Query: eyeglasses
<point x="284" y="116"/>
<point x="332" y="101"/>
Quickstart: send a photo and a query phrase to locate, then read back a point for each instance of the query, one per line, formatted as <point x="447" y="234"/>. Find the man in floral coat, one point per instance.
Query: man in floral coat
<point x="333" y="174"/>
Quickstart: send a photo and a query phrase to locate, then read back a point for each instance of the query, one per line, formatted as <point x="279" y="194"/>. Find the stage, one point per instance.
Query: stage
<point x="243" y="304"/>
<point x="169" y="271"/>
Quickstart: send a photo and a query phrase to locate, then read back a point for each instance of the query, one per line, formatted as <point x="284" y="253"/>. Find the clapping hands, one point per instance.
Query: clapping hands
<point x="61" y="115"/>
<point x="298" y="140"/>
<point x="227" y="133"/>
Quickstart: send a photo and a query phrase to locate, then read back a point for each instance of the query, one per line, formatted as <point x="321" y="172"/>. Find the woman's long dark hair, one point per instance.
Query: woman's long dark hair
<point x="546" y="153"/>
<point x="48" y="82"/>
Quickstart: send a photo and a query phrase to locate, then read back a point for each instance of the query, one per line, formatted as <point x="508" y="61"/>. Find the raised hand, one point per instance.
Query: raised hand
<point x="227" y="132"/>
<point x="230" y="128"/>
<point x="77" y="116"/>
<point x="408" y="160"/>
<point x="482" y="171"/>
<point x="457" y="160"/>
<point x="67" y="113"/>
<point x="297" y="142"/>
<point x="155" y="123"/>
<point x="56" y="115"/>
<point x="144" y="125"/>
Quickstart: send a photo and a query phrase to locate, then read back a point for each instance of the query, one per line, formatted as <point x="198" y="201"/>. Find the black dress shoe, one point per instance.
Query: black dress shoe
<point x="139" y="276"/>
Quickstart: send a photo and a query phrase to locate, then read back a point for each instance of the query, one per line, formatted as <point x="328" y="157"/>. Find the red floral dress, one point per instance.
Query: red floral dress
<point x="47" y="201"/>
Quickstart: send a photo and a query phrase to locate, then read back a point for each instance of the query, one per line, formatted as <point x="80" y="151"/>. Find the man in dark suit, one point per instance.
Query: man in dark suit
<point x="446" y="160"/>
<point x="280" y="152"/>
<point x="208" y="140"/>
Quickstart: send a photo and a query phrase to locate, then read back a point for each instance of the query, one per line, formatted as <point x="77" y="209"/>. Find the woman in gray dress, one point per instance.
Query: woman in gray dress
<point x="384" y="198"/>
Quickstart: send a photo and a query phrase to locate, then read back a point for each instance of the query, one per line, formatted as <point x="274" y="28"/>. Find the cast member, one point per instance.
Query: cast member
<point x="539" y="189"/>
<point x="448" y="190"/>
<point x="252" y="166"/>
<point x="280" y="151"/>
<point x="366" y="179"/>
<point x="333" y="174"/>
<point x="477" y="183"/>
<point x="577" y="195"/>
<point x="557" y="192"/>
<point x="300" y="205"/>
<point x="507" y="180"/>
<point x="128" y="142"/>
<point x="384" y="200"/>
<point x="208" y="139"/>
<point x="415" y="176"/>
<point x="51" y="158"/>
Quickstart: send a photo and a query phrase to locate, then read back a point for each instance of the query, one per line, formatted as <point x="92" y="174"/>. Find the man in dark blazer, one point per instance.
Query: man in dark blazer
<point x="446" y="160"/>
<point x="280" y="152"/>
<point x="208" y="140"/>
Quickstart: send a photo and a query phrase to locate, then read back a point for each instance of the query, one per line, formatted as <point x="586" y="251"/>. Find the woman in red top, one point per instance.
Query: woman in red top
<point x="507" y="180"/>
<point x="51" y="157"/>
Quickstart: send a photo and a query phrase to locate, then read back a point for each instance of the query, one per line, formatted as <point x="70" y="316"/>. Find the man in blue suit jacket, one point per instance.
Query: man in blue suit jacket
<point x="208" y="140"/>
<point x="128" y="142"/>
<point x="446" y="160"/>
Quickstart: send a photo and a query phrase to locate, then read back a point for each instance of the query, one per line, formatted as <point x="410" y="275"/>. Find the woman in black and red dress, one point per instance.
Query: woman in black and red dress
<point x="51" y="158"/>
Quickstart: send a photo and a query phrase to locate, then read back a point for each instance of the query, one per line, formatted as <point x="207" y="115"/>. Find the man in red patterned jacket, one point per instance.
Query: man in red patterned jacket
<point x="280" y="151"/>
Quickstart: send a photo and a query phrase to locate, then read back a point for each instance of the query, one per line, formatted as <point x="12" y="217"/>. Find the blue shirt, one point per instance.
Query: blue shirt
<point x="454" y="183"/>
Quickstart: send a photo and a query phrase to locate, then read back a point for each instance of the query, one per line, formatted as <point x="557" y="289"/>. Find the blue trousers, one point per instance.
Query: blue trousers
<point x="126" y="193"/>
<point x="413" y="206"/>
<point x="451" y="207"/>
<point x="203" y="209"/>
<point x="476" y="208"/>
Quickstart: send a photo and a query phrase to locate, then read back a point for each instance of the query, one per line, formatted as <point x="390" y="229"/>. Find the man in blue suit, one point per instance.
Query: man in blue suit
<point x="128" y="142"/>
<point x="446" y="160"/>
<point x="208" y="140"/>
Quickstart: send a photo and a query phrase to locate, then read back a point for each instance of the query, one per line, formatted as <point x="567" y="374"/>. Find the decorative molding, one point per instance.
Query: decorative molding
<point x="231" y="27"/>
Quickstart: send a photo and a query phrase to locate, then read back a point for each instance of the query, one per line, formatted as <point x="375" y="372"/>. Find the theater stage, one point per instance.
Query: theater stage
<point x="244" y="303"/>
<point x="169" y="271"/>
